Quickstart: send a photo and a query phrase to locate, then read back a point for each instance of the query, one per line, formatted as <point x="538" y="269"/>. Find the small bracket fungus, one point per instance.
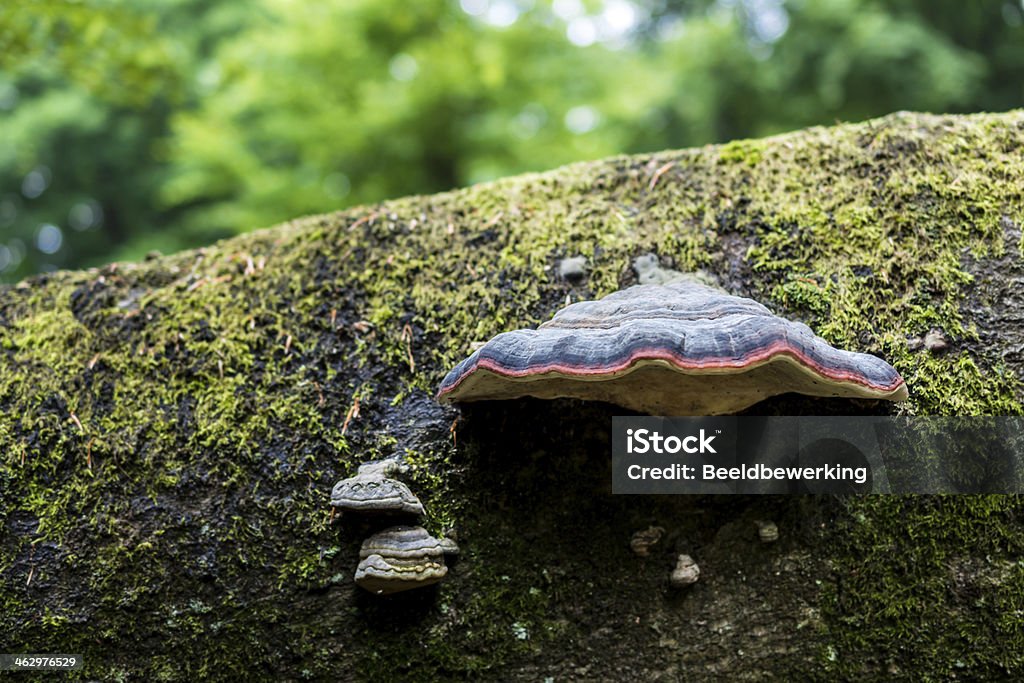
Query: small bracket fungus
<point x="768" y="532"/>
<point x="681" y="348"/>
<point x="399" y="559"/>
<point x="573" y="268"/>
<point x="449" y="546"/>
<point x="373" y="491"/>
<point x="642" y="541"/>
<point x="935" y="341"/>
<point x="686" y="572"/>
<point x="649" y="271"/>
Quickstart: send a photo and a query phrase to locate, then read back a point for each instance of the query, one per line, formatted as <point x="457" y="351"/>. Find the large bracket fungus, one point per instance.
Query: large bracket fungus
<point x="680" y="348"/>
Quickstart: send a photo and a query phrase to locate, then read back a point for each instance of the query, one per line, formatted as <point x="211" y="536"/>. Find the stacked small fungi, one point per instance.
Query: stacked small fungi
<point x="397" y="558"/>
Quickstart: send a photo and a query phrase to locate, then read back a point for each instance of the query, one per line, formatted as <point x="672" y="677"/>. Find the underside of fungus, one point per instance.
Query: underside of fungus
<point x="383" y="576"/>
<point x="681" y="348"/>
<point x="398" y="559"/>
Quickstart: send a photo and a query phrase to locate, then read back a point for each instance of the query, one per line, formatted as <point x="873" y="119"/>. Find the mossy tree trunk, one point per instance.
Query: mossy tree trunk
<point x="170" y="430"/>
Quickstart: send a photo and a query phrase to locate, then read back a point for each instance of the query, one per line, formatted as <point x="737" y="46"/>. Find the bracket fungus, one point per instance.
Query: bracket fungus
<point x="399" y="559"/>
<point x="680" y="348"/>
<point x="371" y="490"/>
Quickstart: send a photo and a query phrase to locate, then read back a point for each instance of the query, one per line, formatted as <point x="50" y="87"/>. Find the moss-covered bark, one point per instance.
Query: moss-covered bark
<point x="171" y="430"/>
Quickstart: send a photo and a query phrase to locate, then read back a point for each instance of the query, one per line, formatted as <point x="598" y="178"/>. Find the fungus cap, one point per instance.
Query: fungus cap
<point x="402" y="542"/>
<point x="372" y="492"/>
<point x="681" y="348"/>
<point x="449" y="546"/>
<point x="399" y="559"/>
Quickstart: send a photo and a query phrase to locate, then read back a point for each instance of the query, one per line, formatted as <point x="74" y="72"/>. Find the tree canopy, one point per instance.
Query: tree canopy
<point x="131" y="126"/>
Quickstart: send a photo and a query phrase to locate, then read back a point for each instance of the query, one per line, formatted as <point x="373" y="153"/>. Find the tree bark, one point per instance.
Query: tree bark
<point x="171" y="430"/>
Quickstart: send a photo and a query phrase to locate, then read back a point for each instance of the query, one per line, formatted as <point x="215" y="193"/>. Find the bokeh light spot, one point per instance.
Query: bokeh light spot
<point x="619" y="16"/>
<point x="567" y="10"/>
<point x="502" y="13"/>
<point x="49" y="238"/>
<point x="582" y="119"/>
<point x="337" y="185"/>
<point x="581" y="31"/>
<point x="529" y="120"/>
<point x="474" y="8"/>
<point x="403" y="67"/>
<point x="36" y="182"/>
<point x="85" y="215"/>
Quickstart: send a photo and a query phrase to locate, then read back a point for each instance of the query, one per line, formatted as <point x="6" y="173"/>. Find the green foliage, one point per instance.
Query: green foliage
<point x="170" y="123"/>
<point x="403" y="105"/>
<point x="111" y="49"/>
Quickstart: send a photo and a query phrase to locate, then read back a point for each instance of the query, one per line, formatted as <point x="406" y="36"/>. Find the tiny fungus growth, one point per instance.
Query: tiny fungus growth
<point x="681" y="348"/>
<point x="642" y="541"/>
<point x="935" y="341"/>
<point x="573" y="268"/>
<point x="399" y="559"/>
<point x="767" y="531"/>
<point x="372" y="490"/>
<point x="686" y="572"/>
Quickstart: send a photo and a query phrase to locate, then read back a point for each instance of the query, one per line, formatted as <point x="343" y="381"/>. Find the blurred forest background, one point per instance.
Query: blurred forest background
<point x="135" y="125"/>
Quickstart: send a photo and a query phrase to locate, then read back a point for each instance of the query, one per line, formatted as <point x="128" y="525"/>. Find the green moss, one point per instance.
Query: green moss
<point x="747" y="152"/>
<point x="175" y="426"/>
<point x="925" y="588"/>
